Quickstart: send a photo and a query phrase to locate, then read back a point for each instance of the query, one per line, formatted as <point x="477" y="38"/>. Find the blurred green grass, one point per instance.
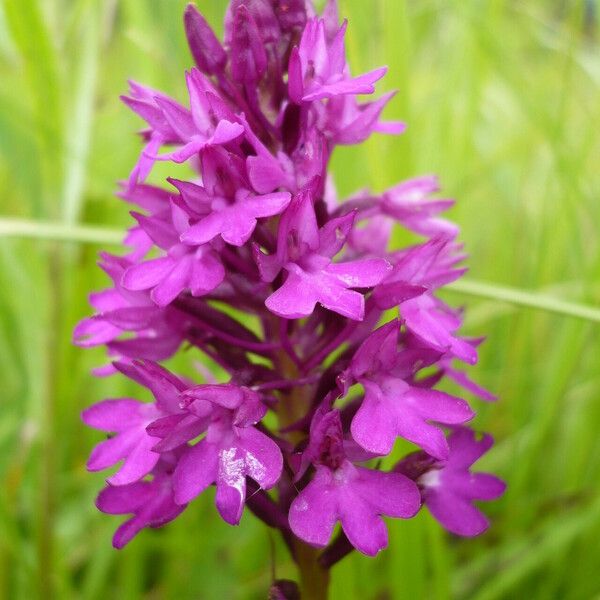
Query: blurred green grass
<point x="502" y="100"/>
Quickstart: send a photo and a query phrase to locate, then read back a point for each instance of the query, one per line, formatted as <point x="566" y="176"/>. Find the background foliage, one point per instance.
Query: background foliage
<point x="502" y="101"/>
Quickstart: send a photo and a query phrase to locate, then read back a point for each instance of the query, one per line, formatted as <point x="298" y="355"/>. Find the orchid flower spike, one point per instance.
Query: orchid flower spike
<point x="321" y="345"/>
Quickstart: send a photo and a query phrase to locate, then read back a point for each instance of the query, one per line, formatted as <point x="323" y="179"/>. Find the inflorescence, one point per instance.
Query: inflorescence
<point x="328" y="344"/>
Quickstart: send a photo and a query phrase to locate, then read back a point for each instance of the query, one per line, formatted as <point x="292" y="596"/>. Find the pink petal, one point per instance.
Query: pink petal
<point x="207" y="273"/>
<point x="333" y="234"/>
<point x="465" y="448"/>
<point x="293" y="300"/>
<point x="205" y="230"/>
<point x="185" y="430"/>
<point x="127" y="531"/>
<point x="266" y="174"/>
<point x="237" y="231"/>
<point x="158" y="230"/>
<point x="113" y="415"/>
<point x="267" y="205"/>
<point x="179" y="118"/>
<point x="139" y="462"/>
<point x="313" y="512"/>
<point x="360" y="273"/>
<point x="428" y="327"/>
<point x="134" y="318"/>
<point x="150" y="113"/>
<point x="432" y="439"/>
<point x="268" y="266"/>
<point x="230" y="497"/>
<point x="147" y="274"/>
<point x="264" y="461"/>
<point x="390" y="127"/>
<point x="373" y="427"/>
<point x="378" y="350"/>
<point x="197" y="86"/>
<point x="174" y="283"/>
<point x="94" y="331"/>
<point x="195" y="196"/>
<point x="145" y="162"/>
<point x="439" y="406"/>
<point x="299" y="220"/>
<point x="196" y="470"/>
<point x="226" y="395"/>
<point x="390" y="494"/>
<point x="337" y="49"/>
<point x="196" y="143"/>
<point x="226" y="131"/>
<point x="456" y="515"/>
<point x="364" y="528"/>
<point x="124" y="499"/>
<point x="478" y="486"/>
<point x="345" y="302"/>
<point x="363" y="84"/>
<point x="112" y="450"/>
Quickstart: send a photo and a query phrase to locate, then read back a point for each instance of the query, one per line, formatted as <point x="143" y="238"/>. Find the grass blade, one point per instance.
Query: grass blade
<point x="85" y="234"/>
<point x="525" y="298"/>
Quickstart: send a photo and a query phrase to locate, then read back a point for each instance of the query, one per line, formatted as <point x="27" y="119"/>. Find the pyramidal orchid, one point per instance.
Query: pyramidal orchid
<point x="321" y="346"/>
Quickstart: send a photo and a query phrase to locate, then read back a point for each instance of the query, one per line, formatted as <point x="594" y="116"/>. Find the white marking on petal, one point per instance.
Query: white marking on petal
<point x="430" y="479"/>
<point x="301" y="505"/>
<point x="231" y="470"/>
<point x="256" y="469"/>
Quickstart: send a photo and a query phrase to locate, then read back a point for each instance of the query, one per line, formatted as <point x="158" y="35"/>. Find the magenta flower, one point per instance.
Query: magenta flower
<point x="208" y="122"/>
<point x="228" y="209"/>
<point x="344" y="121"/>
<point x="252" y="263"/>
<point x="318" y="68"/>
<point x="305" y="252"/>
<point x="391" y="406"/>
<point x="121" y="311"/>
<point x="435" y="324"/>
<point x="231" y="450"/>
<point x="151" y="502"/>
<point x="128" y="419"/>
<point x="407" y="202"/>
<point x="449" y="488"/>
<point x="341" y="491"/>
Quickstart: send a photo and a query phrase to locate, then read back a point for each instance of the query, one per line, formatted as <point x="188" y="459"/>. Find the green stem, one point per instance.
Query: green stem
<point x="314" y="578"/>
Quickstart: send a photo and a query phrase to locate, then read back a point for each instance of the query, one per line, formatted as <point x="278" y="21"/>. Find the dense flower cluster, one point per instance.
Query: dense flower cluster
<point x="292" y="294"/>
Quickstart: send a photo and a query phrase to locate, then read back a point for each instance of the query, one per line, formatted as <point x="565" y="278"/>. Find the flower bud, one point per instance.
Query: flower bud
<point x="248" y="56"/>
<point x="291" y="14"/>
<point x="204" y="45"/>
<point x="284" y="589"/>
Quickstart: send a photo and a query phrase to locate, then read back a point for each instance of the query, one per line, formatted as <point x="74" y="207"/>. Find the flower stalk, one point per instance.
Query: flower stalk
<point x="313" y="577"/>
